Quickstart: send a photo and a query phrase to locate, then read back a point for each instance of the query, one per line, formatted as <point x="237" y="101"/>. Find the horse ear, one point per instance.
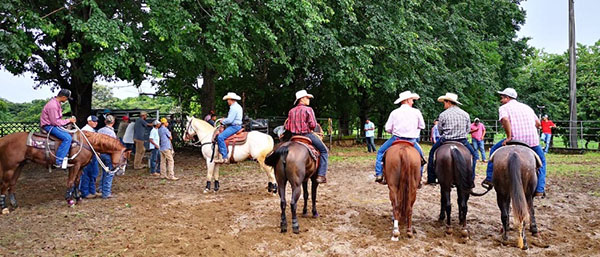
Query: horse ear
<point x="190" y="117"/>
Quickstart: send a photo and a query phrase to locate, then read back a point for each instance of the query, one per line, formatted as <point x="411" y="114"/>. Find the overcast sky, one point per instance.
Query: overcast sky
<point x="546" y="25"/>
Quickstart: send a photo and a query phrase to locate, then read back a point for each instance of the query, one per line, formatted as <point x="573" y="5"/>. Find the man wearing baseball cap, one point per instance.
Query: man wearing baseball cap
<point x="520" y="123"/>
<point x="51" y="121"/>
<point x="87" y="182"/>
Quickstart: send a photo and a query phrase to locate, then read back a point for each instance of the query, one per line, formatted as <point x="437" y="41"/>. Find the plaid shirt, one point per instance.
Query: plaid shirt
<point x="522" y="122"/>
<point x="301" y="120"/>
<point x="454" y="123"/>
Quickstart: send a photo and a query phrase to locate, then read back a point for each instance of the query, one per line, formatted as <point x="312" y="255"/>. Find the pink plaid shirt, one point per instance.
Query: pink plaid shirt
<point x="52" y="114"/>
<point x="405" y="121"/>
<point x="522" y="122"/>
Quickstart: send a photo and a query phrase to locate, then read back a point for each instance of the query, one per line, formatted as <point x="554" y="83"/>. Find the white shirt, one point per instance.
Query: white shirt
<point x="89" y="128"/>
<point x="405" y="121"/>
<point x="128" y="137"/>
<point x="154" y="136"/>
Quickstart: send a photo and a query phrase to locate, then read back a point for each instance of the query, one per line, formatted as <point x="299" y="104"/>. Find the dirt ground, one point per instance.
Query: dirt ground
<point x="153" y="217"/>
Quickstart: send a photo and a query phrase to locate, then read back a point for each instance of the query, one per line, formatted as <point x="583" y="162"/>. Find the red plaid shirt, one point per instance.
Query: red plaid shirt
<point x="301" y="120"/>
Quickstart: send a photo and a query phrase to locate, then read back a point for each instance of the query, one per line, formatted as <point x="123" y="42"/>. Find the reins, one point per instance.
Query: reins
<point x="106" y="169"/>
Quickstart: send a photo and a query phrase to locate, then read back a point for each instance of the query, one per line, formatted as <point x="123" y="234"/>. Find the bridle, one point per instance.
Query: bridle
<point x="188" y="135"/>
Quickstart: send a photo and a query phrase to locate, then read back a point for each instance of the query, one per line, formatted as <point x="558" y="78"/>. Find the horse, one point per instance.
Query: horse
<point x="453" y="167"/>
<point x="515" y="179"/>
<point x="401" y="169"/>
<point x="258" y="145"/>
<point x="294" y="162"/>
<point x="14" y="154"/>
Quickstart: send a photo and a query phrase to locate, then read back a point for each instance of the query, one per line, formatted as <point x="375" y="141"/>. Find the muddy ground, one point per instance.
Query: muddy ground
<point x="153" y="217"/>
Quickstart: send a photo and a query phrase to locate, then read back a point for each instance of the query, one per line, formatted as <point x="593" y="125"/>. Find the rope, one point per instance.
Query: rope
<point x="106" y="169"/>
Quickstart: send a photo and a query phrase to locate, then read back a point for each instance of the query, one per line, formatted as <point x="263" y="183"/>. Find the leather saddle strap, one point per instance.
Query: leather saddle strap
<point x="231" y="160"/>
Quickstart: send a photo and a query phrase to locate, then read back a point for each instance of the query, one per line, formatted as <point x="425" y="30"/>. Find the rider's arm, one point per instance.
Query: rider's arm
<point x="538" y="124"/>
<point x="312" y="121"/>
<point x="507" y="129"/>
<point x="230" y="117"/>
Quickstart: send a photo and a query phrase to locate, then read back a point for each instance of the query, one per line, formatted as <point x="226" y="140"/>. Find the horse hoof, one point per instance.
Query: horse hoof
<point x="535" y="234"/>
<point x="206" y="190"/>
<point x="394" y="238"/>
<point x="315" y="215"/>
<point x="296" y="230"/>
<point x="409" y="234"/>
<point x="283" y="230"/>
<point x="464" y="233"/>
<point x="5" y="211"/>
<point x="70" y="202"/>
<point x="305" y="215"/>
<point x="449" y="230"/>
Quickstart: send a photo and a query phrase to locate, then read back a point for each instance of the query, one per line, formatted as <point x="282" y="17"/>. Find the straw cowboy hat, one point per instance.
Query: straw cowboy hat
<point x="406" y="95"/>
<point x="232" y="95"/>
<point x="449" y="97"/>
<point x="302" y="93"/>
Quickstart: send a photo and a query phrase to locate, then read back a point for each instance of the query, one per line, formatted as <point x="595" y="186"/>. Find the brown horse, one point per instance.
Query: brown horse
<point x="515" y="179"/>
<point x="453" y="167"/>
<point x="14" y="154"/>
<point x="402" y="164"/>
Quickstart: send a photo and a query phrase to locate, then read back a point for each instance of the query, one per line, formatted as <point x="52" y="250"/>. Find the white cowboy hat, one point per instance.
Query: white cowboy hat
<point x="302" y="93"/>
<point x="510" y="92"/>
<point x="232" y="95"/>
<point x="406" y="95"/>
<point x="449" y="97"/>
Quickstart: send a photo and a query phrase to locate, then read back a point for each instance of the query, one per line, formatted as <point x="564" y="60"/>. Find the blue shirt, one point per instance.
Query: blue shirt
<point x="165" y="142"/>
<point x="139" y="129"/>
<point x="436" y="132"/>
<point x="234" y="117"/>
<point x="370" y="133"/>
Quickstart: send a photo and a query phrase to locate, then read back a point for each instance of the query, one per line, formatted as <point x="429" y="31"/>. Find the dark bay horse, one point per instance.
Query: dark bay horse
<point x="453" y="167"/>
<point x="402" y="165"/>
<point x="515" y="180"/>
<point x="14" y="154"/>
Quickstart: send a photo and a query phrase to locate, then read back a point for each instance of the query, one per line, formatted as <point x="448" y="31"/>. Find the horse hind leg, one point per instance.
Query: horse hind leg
<point x="305" y="197"/>
<point x="313" y="193"/>
<point x="522" y="240"/>
<point x="282" y="205"/>
<point x="294" y="205"/>
<point x="272" y="184"/>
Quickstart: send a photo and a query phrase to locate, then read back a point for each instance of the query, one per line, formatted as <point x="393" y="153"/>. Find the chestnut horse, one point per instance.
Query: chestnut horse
<point x="14" y="154"/>
<point x="401" y="169"/>
<point x="453" y="167"/>
<point x="515" y="179"/>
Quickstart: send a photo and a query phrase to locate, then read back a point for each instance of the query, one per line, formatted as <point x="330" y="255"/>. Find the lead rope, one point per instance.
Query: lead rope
<point x="95" y="153"/>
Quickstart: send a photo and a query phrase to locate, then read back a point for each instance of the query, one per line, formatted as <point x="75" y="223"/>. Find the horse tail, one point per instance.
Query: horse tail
<point x="279" y="154"/>
<point x="519" y="203"/>
<point x="460" y="166"/>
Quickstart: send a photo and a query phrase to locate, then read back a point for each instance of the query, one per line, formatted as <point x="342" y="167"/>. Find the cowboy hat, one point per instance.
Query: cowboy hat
<point x="449" y="97"/>
<point x="406" y="95"/>
<point x="232" y="95"/>
<point x="510" y="92"/>
<point x="302" y="93"/>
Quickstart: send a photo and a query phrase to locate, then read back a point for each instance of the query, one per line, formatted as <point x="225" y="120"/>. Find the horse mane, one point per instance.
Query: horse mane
<point x="204" y="124"/>
<point x="103" y="143"/>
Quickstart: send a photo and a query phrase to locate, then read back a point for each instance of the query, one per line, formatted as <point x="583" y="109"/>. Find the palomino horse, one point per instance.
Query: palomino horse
<point x="453" y="167"/>
<point x="515" y="179"/>
<point x="258" y="145"/>
<point x="293" y="162"/>
<point x="401" y="169"/>
<point x="14" y="153"/>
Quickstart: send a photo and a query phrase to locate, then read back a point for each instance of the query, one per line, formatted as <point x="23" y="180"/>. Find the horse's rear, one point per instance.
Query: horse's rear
<point x="515" y="180"/>
<point x="402" y="173"/>
<point x="13" y="151"/>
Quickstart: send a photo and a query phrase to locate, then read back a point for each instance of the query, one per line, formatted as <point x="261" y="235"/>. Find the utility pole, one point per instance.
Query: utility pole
<point x="572" y="79"/>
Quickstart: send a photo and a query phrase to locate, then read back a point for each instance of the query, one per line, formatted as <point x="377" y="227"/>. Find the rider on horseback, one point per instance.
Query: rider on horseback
<point x="404" y="123"/>
<point x="454" y="124"/>
<point x="233" y="122"/>
<point x="51" y="121"/>
<point x="520" y="123"/>
<point x="302" y="121"/>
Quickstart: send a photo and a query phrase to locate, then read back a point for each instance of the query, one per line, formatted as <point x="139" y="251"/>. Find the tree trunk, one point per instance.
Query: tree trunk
<point x="208" y="91"/>
<point x="81" y="106"/>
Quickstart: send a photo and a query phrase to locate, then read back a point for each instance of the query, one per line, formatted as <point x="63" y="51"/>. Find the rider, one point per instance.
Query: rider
<point x="405" y="123"/>
<point x="233" y="122"/>
<point x="302" y="121"/>
<point x="454" y="124"/>
<point x="520" y="123"/>
<point x="51" y="121"/>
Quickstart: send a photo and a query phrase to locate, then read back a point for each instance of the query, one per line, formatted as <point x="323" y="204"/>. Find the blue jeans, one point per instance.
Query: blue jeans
<point x="155" y="161"/>
<point x="87" y="183"/>
<point x="479" y="145"/>
<point x="323" y="159"/>
<point x="546" y="138"/>
<point x="541" y="184"/>
<point x="370" y="144"/>
<point x="431" y="176"/>
<point x="107" y="179"/>
<point x="65" y="145"/>
<point x="229" y="131"/>
<point x="386" y="145"/>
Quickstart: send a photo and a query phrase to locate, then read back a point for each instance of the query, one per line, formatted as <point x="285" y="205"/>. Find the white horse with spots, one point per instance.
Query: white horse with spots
<point x="258" y="145"/>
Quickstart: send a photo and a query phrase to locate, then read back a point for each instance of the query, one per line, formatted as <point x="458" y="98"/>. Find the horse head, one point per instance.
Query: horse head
<point x="189" y="129"/>
<point x="120" y="162"/>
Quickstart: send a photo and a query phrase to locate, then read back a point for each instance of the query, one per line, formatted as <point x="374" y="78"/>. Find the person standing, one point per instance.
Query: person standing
<point x="139" y="132"/>
<point x="107" y="178"/>
<point x="128" y="136"/>
<point x="454" y="124"/>
<point x="370" y="136"/>
<point x="154" y="149"/>
<point x="102" y="118"/>
<point x="167" y="163"/>
<point x="233" y="123"/>
<point x="435" y="132"/>
<point x="404" y="123"/>
<point x="520" y="123"/>
<point x="547" y="126"/>
<point x="51" y="121"/>
<point x="302" y="121"/>
<point x="122" y="128"/>
<point x="477" y="136"/>
<point x="87" y="182"/>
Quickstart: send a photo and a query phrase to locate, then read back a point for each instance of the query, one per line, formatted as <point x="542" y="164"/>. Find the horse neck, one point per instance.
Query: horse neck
<point x="203" y="132"/>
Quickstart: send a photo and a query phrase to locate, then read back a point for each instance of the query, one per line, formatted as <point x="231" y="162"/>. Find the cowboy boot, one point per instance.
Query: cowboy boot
<point x="207" y="187"/>
<point x="216" y="186"/>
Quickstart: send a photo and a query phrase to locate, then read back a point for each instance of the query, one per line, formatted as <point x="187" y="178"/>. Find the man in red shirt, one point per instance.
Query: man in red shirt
<point x="302" y="121"/>
<point x="547" y="126"/>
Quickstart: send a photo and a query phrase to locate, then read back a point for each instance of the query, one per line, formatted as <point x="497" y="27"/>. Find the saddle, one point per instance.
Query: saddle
<point x="400" y="141"/>
<point x="512" y="143"/>
<point x="239" y="138"/>
<point x="50" y="143"/>
<point x="306" y="142"/>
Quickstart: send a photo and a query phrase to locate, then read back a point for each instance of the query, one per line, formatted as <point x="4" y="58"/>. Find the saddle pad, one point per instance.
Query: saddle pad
<point x="400" y="141"/>
<point x="314" y="153"/>
<point x="301" y="139"/>
<point x="38" y="140"/>
<point x="538" y="161"/>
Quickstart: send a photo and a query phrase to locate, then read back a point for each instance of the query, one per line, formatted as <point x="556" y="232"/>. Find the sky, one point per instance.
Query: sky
<point x="546" y="25"/>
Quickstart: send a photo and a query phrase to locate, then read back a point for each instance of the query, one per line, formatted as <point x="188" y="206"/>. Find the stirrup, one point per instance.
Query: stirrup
<point x="487" y="185"/>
